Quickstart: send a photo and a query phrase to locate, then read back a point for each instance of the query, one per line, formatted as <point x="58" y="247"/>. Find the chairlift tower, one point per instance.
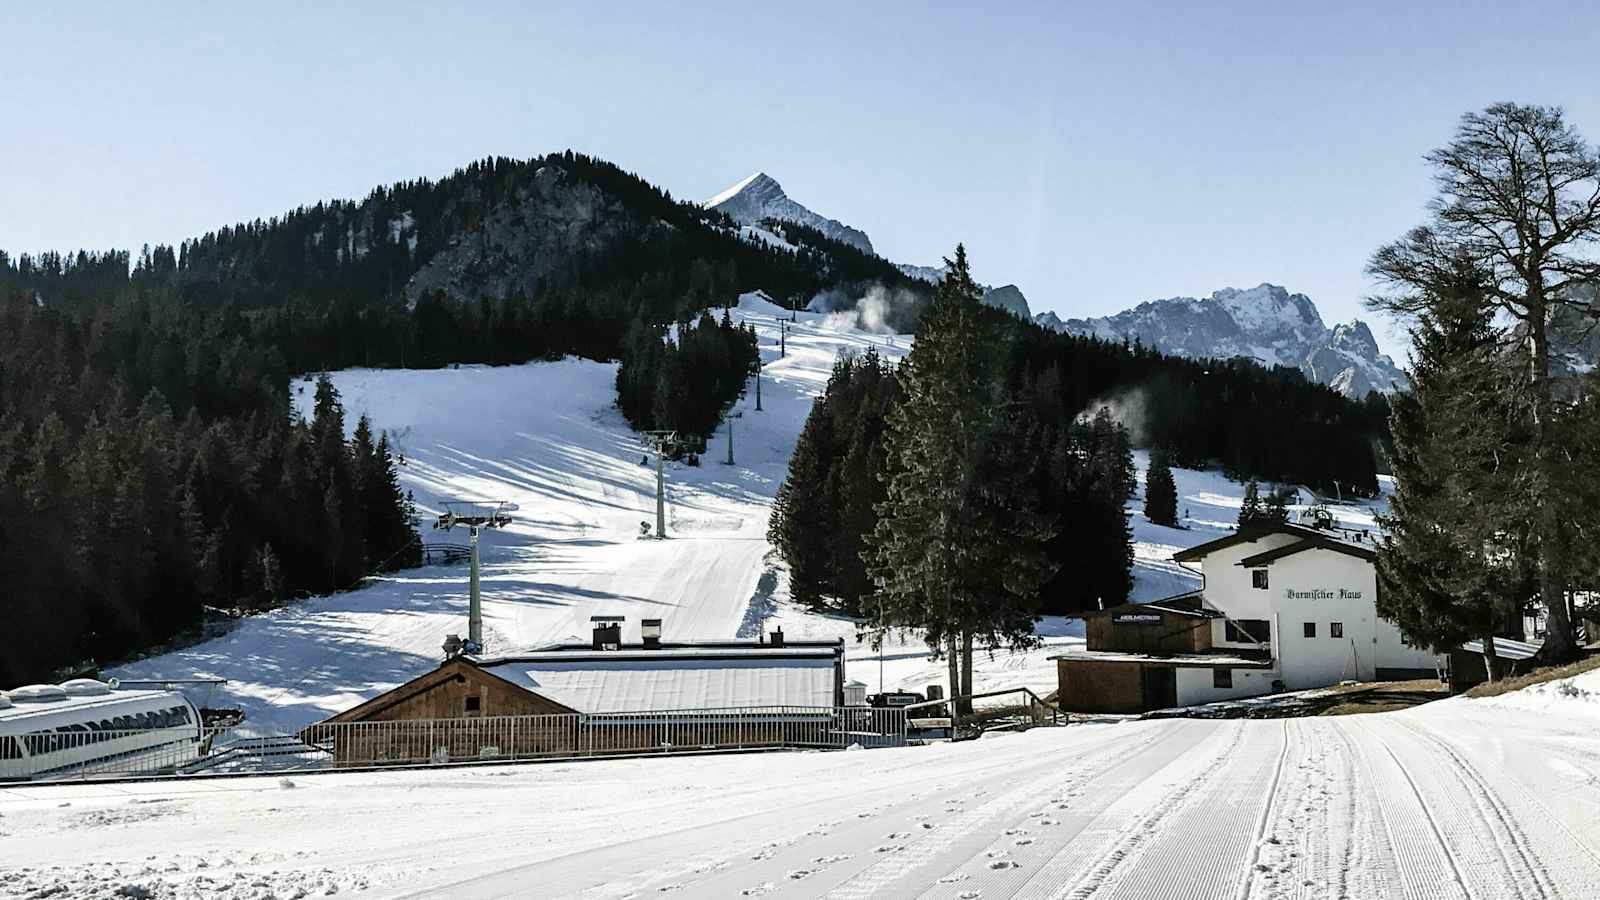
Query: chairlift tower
<point x="661" y="443"/>
<point x="758" y="377"/>
<point x="730" y="417"/>
<point x="476" y="515"/>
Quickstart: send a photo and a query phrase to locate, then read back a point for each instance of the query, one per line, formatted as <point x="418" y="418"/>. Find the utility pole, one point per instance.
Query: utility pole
<point x="758" y="377"/>
<point x="783" y="339"/>
<point x="476" y="515"/>
<point x="661" y="442"/>
<point x="730" y="417"/>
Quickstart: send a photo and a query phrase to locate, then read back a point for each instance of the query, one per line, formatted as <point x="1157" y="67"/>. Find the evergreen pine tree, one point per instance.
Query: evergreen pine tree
<point x="1251" y="510"/>
<point x="1454" y="565"/>
<point x="953" y="554"/>
<point x="1160" y="490"/>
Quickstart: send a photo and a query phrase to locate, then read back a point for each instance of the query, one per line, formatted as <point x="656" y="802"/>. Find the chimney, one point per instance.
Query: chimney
<point x="777" y="636"/>
<point x="607" y="632"/>
<point x="650" y="631"/>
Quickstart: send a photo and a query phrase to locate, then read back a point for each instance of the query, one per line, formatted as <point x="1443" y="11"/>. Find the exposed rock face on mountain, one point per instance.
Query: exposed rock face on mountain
<point x="553" y="218"/>
<point x="930" y="274"/>
<point x="761" y="197"/>
<point x="1009" y="298"/>
<point x="1266" y="323"/>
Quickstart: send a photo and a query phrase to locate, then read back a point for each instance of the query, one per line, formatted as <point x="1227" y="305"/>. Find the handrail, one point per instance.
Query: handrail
<point x="979" y="696"/>
<point x="950" y="702"/>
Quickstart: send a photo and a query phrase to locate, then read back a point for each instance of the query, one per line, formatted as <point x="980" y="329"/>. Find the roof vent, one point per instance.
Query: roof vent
<point x="607" y="632"/>
<point x="85" y="687"/>
<point x="38" y="693"/>
<point x="650" y="632"/>
<point x="777" y="636"/>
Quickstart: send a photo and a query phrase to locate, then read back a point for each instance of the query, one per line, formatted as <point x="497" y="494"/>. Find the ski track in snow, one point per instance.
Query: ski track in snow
<point x="1412" y="805"/>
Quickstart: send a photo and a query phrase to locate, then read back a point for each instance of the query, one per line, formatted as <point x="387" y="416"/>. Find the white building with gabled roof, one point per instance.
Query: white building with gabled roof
<point x="1298" y="604"/>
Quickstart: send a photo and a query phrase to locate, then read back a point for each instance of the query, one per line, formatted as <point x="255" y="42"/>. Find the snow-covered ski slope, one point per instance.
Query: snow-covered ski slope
<point x="1460" y="799"/>
<point x="547" y="437"/>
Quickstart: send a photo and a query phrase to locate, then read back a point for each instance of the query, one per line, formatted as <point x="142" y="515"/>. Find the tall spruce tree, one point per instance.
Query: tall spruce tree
<point x="955" y="555"/>
<point x="1160" y="490"/>
<point x="1455" y="564"/>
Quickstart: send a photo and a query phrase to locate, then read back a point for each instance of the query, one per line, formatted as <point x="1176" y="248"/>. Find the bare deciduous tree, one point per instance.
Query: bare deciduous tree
<point x="1519" y="196"/>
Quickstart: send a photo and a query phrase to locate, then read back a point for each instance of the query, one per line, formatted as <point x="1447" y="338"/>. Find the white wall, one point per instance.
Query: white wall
<point x="1323" y="659"/>
<point x="1195" y="685"/>
<point x="1230" y="582"/>
<point x="1334" y="587"/>
<point x="1395" y="653"/>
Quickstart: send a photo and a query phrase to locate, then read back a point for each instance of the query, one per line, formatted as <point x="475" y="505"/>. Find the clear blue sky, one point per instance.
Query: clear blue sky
<point x="1095" y="154"/>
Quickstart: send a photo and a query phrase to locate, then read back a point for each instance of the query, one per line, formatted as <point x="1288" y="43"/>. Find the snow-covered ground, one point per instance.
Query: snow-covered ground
<point x="546" y="437"/>
<point x="1457" y="799"/>
<point x="1463" y="798"/>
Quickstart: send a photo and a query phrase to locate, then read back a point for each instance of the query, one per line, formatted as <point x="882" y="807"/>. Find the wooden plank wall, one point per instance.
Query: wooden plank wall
<point x="1097" y="686"/>
<point x="1175" y="634"/>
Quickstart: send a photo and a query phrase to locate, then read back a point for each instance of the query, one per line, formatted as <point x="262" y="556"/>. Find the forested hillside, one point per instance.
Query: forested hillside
<point x="1269" y="424"/>
<point x="149" y="468"/>
<point x="503" y="261"/>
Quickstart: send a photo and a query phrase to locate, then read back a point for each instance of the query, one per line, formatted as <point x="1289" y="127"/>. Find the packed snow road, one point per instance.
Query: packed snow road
<point x="1462" y="799"/>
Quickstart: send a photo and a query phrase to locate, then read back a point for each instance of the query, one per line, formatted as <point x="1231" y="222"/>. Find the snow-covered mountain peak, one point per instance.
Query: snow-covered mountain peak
<point x="1267" y="323"/>
<point x="758" y="185"/>
<point x="760" y="197"/>
<point x="1355" y="337"/>
<point x="1268" y="307"/>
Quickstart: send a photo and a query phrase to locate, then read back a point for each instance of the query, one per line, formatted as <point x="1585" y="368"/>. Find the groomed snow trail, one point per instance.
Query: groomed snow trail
<point x="1449" y="800"/>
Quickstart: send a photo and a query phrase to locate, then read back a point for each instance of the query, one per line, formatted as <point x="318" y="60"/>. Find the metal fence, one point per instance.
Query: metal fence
<point x="77" y="754"/>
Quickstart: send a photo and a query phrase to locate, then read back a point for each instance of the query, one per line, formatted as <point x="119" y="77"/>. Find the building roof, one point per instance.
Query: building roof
<point x="1311" y="543"/>
<point x="1179" y="660"/>
<point x="677" y="676"/>
<point x="669" y="649"/>
<point x="658" y="680"/>
<point x="1506" y="648"/>
<point x="1181" y="605"/>
<point x="421" y="684"/>
<point x="74" y="705"/>
<point x="1258" y="530"/>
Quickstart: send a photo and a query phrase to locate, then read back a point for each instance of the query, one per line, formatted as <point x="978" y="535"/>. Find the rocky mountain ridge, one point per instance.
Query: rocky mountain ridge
<point x="1266" y="323"/>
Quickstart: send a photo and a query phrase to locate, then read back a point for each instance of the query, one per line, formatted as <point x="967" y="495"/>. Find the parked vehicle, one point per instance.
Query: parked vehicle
<point x="894" y="699"/>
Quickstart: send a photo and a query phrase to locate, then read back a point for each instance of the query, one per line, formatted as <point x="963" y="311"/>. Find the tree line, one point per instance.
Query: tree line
<point x="1252" y="422"/>
<point x="1496" y="447"/>
<point x="150" y="468"/>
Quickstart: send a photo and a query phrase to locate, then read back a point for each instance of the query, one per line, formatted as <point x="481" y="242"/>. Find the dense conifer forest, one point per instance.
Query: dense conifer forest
<point x="149" y="467"/>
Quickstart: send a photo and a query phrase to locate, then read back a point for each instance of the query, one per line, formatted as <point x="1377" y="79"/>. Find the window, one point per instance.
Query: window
<point x="1244" y="631"/>
<point x="9" y="749"/>
<point x="1311" y="629"/>
<point x="1258" y="579"/>
<point x="1222" y="678"/>
<point x="474" y="703"/>
<point x="1336" y="629"/>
